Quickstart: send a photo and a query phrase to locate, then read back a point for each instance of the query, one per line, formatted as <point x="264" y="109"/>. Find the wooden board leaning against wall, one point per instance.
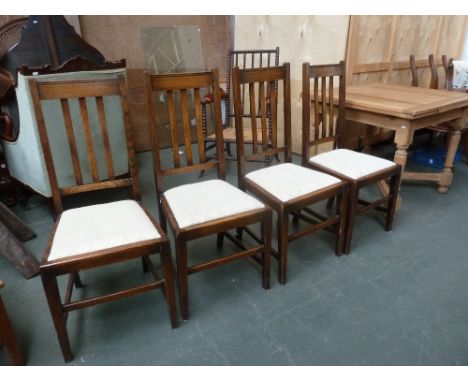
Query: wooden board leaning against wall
<point x="122" y="37"/>
<point x="379" y="48"/>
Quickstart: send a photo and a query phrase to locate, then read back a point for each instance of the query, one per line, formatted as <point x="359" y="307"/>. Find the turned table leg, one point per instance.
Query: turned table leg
<point x="446" y="175"/>
<point x="403" y="139"/>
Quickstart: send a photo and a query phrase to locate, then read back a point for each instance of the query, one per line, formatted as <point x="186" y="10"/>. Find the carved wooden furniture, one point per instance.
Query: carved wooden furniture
<point x="406" y="109"/>
<point x="286" y="187"/>
<point x="102" y="234"/>
<point x="244" y="59"/>
<point x="357" y="169"/>
<point x="200" y="209"/>
<point x="7" y="336"/>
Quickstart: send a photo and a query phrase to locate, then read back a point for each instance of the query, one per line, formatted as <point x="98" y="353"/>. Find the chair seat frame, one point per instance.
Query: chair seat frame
<point x="51" y="270"/>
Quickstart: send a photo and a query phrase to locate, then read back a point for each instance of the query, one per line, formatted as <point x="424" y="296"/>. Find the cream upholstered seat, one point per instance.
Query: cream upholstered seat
<point x="350" y="163"/>
<point x="101" y="226"/>
<point x="287" y="181"/>
<point x="202" y="202"/>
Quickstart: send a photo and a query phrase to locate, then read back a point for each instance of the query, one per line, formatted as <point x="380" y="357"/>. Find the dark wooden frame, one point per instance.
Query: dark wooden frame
<point x="7" y="336"/>
<point x="296" y="206"/>
<point x="51" y="269"/>
<point x="324" y="105"/>
<point x="182" y="83"/>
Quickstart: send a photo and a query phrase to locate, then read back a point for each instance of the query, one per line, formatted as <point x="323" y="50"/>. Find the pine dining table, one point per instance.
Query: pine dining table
<point x="405" y="110"/>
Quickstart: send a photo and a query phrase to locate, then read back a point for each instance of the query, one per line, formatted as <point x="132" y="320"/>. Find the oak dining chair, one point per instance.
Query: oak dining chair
<point x="451" y="133"/>
<point x="286" y="187"/>
<point x="100" y="235"/>
<point x="324" y="131"/>
<point x="244" y="59"/>
<point x="199" y="209"/>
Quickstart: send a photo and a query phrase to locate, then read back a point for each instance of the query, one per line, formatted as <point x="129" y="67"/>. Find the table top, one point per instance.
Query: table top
<point x="403" y="101"/>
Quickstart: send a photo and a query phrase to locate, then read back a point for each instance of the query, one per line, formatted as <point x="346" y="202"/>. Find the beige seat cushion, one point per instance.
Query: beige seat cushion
<point x="287" y="181"/>
<point x="350" y="163"/>
<point x="202" y="202"/>
<point x="101" y="226"/>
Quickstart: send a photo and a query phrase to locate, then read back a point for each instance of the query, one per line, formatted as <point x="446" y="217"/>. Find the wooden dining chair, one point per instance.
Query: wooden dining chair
<point x="288" y="188"/>
<point x="95" y="235"/>
<point x="196" y="210"/>
<point x="434" y="79"/>
<point x="452" y="135"/>
<point x="7" y="336"/>
<point x="327" y="105"/>
<point x="244" y="59"/>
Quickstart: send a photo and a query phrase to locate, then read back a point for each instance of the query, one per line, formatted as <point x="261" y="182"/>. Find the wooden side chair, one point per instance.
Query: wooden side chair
<point x="244" y="59"/>
<point x="196" y="210"/>
<point x="434" y="81"/>
<point x="357" y="169"/>
<point x="7" y="336"/>
<point x="286" y="187"/>
<point x="96" y="235"/>
<point x="452" y="135"/>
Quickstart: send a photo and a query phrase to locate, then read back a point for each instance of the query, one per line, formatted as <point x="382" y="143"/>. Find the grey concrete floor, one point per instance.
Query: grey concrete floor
<point x="399" y="298"/>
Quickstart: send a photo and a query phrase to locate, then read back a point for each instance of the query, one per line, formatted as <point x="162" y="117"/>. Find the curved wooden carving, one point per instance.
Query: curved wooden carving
<point x="434" y="77"/>
<point x="74" y="64"/>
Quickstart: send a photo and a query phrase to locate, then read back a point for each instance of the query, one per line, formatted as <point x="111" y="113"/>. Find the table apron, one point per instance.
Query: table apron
<point x="396" y="123"/>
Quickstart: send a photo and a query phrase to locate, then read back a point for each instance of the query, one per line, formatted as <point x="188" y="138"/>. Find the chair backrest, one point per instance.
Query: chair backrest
<point x="327" y="103"/>
<point x="247" y="59"/>
<point x="182" y="92"/>
<point x="434" y="83"/>
<point x="263" y="84"/>
<point x="448" y="67"/>
<point x="78" y="99"/>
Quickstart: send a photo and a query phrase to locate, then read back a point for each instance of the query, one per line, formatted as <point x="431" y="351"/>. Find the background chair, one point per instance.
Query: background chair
<point x="286" y="187"/>
<point x="357" y="169"/>
<point x="7" y="336"/>
<point x="244" y="59"/>
<point x="199" y="209"/>
<point x="453" y="136"/>
<point x="96" y="235"/>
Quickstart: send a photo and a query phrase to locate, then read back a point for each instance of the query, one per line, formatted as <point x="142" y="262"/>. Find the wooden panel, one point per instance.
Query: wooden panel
<point x="313" y="39"/>
<point x="378" y="51"/>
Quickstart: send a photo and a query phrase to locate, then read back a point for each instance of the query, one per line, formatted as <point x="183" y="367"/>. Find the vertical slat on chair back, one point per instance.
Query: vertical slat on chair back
<point x="247" y="59"/>
<point x="323" y="96"/>
<point x="448" y="68"/>
<point x="262" y="85"/>
<point x="83" y="90"/>
<point x="177" y="90"/>
<point x="434" y="81"/>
